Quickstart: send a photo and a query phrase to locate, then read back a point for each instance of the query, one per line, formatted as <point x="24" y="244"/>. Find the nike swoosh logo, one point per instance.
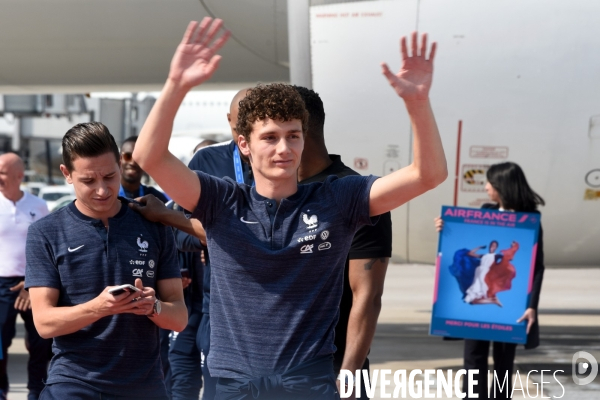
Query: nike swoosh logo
<point x="248" y="222"/>
<point x="76" y="248"/>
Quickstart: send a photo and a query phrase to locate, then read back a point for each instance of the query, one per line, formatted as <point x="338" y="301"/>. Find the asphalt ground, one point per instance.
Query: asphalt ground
<point x="569" y="317"/>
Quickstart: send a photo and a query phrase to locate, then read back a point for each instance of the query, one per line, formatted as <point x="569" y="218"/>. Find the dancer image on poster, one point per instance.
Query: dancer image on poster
<point x="477" y="293"/>
<point x="502" y="272"/>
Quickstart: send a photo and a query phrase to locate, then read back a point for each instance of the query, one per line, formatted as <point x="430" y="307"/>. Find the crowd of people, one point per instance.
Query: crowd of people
<point x="261" y="276"/>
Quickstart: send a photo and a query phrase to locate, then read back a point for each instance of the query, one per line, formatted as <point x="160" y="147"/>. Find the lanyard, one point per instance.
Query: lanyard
<point x="122" y="191"/>
<point x="237" y="166"/>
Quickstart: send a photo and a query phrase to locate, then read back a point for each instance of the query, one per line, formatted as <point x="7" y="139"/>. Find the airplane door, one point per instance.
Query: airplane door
<point x="366" y="122"/>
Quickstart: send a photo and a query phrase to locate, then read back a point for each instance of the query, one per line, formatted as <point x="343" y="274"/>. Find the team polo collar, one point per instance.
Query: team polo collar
<point x="75" y="211"/>
<point x="260" y="198"/>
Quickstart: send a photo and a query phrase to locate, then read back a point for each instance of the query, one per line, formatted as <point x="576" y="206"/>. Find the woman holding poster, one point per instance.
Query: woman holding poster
<point x="509" y="191"/>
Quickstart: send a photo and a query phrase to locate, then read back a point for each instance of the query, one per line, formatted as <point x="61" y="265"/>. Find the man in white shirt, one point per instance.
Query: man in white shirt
<point x="18" y="210"/>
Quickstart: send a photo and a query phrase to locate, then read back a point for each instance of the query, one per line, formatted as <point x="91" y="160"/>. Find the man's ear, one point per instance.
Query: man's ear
<point x="66" y="173"/>
<point x="229" y="117"/>
<point x="244" y="146"/>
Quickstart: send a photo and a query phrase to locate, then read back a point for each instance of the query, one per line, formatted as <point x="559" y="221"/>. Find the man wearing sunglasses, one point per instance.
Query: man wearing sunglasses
<point x="131" y="175"/>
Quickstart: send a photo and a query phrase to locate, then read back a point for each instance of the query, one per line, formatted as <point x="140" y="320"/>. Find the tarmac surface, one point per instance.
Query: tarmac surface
<point x="569" y="315"/>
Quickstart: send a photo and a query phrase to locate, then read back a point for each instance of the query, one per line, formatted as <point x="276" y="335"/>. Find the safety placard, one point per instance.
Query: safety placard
<point x="488" y="152"/>
<point x="473" y="177"/>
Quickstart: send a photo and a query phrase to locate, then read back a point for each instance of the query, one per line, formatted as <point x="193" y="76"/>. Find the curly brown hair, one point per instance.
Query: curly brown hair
<point x="276" y="101"/>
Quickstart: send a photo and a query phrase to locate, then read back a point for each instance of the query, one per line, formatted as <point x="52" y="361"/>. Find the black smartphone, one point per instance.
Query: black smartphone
<point x="185" y="273"/>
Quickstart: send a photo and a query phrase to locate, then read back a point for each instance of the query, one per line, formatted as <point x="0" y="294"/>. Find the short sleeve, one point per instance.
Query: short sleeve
<point x="41" y="269"/>
<point x="373" y="241"/>
<point x="169" y="264"/>
<point x="215" y="194"/>
<point x="351" y="194"/>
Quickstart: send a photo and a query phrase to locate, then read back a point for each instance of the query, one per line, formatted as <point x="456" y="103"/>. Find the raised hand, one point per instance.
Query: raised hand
<point x="413" y="81"/>
<point x="195" y="59"/>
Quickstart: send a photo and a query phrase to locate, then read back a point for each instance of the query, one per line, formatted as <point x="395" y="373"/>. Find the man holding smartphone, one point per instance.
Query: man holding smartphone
<point x="105" y="345"/>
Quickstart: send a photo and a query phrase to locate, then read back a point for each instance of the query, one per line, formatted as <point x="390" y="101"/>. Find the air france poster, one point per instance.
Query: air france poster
<point x="484" y="274"/>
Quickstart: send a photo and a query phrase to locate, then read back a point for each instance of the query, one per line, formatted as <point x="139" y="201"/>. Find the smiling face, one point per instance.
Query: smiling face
<point x="96" y="181"/>
<point x="130" y="170"/>
<point x="274" y="149"/>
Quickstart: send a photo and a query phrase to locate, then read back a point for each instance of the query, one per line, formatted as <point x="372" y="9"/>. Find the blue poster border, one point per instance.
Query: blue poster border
<point x="469" y="328"/>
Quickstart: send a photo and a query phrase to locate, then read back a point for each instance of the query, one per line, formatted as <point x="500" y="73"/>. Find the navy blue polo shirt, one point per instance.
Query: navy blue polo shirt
<point x="216" y="160"/>
<point x="277" y="281"/>
<point x="75" y="254"/>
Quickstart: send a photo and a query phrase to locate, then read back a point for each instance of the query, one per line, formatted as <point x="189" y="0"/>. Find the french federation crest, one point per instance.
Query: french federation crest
<point x="311" y="222"/>
<point x="142" y="244"/>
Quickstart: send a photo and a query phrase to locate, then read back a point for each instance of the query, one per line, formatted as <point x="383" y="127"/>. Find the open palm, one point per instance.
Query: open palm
<point x="413" y="81"/>
<point x="195" y="59"/>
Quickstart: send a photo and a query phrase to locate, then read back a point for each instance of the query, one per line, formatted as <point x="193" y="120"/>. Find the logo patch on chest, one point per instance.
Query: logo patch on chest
<point x="142" y="244"/>
<point x="324" y="246"/>
<point x="306" y="249"/>
<point x="137" y="272"/>
<point x="312" y="222"/>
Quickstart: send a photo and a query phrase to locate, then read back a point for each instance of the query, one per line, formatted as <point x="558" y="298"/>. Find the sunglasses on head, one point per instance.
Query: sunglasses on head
<point x="126" y="157"/>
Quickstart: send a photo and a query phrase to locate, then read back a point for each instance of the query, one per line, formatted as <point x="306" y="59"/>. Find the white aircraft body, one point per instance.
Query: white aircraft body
<point x="518" y="79"/>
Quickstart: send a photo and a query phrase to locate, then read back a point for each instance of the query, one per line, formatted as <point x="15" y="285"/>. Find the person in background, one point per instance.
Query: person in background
<point x="184" y="350"/>
<point x="509" y="191"/>
<point x="204" y="143"/>
<point x="184" y="376"/>
<point x="367" y="261"/>
<point x="18" y="210"/>
<point x="131" y="175"/>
